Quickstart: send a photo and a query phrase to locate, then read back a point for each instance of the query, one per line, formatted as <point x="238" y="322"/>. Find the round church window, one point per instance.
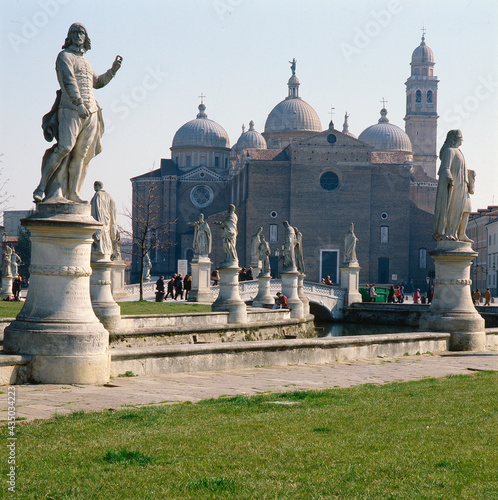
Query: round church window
<point x="201" y="196"/>
<point x="331" y="138"/>
<point x="329" y="181"/>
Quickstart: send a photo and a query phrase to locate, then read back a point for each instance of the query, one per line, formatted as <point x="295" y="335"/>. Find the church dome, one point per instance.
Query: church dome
<point x="422" y="54"/>
<point x="201" y="132"/>
<point x="293" y="113"/>
<point x="251" y="139"/>
<point x="385" y="136"/>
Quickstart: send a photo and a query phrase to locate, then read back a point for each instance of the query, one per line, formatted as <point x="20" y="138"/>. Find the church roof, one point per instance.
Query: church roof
<point x="251" y="139"/>
<point x="422" y="54"/>
<point x="201" y="132"/>
<point x="267" y="154"/>
<point x="293" y="113"/>
<point x="385" y="136"/>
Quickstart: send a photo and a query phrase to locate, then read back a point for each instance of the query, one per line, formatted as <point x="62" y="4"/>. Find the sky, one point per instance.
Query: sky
<point x="350" y="55"/>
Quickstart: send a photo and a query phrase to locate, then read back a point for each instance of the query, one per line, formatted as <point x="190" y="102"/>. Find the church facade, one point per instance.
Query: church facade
<point x="319" y="180"/>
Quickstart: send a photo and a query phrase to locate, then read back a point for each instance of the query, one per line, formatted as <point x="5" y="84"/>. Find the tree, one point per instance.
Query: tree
<point x="150" y="230"/>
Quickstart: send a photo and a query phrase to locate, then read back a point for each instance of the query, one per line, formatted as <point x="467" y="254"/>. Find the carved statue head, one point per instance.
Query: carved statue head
<point x="98" y="185"/>
<point x="231" y="209"/>
<point x="87" y="45"/>
<point x="453" y="139"/>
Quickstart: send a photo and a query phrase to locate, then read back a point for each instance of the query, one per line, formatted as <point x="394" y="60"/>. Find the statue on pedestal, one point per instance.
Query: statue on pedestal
<point x="104" y="210"/>
<point x="264" y="255"/>
<point x="116" y="247"/>
<point x="75" y="121"/>
<point x="350" y="241"/>
<point x="202" y="237"/>
<point x="298" y="249"/>
<point x="229" y="234"/>
<point x="289" y="244"/>
<point x="147" y="267"/>
<point x="255" y="241"/>
<point x="16" y="262"/>
<point x="7" y="262"/>
<point x="456" y="184"/>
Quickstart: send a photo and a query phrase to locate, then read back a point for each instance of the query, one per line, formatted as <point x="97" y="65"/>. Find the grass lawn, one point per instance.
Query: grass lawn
<point x="145" y="307"/>
<point x="432" y="439"/>
<point x="10" y="309"/>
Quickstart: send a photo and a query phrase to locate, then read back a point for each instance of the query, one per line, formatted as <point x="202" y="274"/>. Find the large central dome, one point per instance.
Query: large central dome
<point x="201" y="132"/>
<point x="293" y="113"/>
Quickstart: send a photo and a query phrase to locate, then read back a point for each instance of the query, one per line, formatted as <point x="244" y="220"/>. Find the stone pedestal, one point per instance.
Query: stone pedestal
<point x="201" y="280"/>
<point x="452" y="309"/>
<point x="57" y="325"/>
<point x="350" y="275"/>
<point x="302" y="295"/>
<point x="229" y="297"/>
<point x="103" y="303"/>
<point x="118" y="268"/>
<point x="290" y="280"/>
<point x="264" y="297"/>
<point x="6" y="293"/>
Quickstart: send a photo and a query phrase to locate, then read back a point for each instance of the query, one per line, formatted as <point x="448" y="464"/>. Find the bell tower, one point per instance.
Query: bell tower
<point x="421" y="108"/>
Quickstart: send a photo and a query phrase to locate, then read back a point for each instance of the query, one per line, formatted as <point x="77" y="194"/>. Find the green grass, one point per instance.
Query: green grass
<point x="9" y="308"/>
<point x="432" y="439"/>
<point x="145" y="307"/>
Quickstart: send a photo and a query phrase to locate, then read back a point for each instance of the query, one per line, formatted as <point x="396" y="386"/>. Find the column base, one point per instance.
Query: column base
<point x="229" y="297"/>
<point x="264" y="297"/>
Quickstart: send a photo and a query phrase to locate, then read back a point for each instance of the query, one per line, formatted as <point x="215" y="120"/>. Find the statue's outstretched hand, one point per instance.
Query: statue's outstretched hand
<point x="117" y="64"/>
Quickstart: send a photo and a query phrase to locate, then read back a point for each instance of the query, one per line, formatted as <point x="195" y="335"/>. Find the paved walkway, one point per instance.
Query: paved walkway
<point x="43" y="401"/>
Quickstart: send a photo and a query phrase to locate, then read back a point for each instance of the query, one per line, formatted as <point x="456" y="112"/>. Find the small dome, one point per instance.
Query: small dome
<point x="251" y="139"/>
<point x="201" y="132"/>
<point x="293" y="114"/>
<point x="385" y="136"/>
<point x="422" y="54"/>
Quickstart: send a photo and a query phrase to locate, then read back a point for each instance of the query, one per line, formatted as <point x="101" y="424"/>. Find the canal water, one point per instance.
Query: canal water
<point x="348" y="329"/>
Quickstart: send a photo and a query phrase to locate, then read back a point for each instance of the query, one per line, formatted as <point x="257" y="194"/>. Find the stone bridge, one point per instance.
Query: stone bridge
<point x="326" y="302"/>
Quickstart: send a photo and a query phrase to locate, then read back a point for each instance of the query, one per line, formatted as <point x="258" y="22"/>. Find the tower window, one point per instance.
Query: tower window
<point x="429" y="96"/>
<point x="384" y="234"/>
<point x="418" y="96"/>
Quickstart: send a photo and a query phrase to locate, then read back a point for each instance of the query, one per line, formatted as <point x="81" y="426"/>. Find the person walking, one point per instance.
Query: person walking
<point x="160" y="289"/>
<point x="179" y="286"/>
<point x="187" y="285"/>
<point x="171" y="289"/>
<point x="16" y="289"/>
<point x="391" y="295"/>
<point x="372" y="294"/>
<point x="487" y="297"/>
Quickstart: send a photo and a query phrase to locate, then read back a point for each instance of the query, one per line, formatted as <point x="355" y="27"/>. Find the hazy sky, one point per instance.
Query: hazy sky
<point x="350" y="55"/>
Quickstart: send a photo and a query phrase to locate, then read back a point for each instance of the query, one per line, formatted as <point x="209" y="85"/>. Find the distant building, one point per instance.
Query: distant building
<point x="318" y="180"/>
<point x="12" y="221"/>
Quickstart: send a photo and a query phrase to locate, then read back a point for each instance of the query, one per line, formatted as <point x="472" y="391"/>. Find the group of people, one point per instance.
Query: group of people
<point x="177" y="286"/>
<point x="477" y="297"/>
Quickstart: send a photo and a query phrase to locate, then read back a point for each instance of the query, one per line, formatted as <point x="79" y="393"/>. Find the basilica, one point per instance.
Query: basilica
<point x="319" y="179"/>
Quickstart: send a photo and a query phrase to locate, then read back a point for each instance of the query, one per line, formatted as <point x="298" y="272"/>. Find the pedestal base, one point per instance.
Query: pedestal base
<point x="289" y="289"/>
<point x="57" y="325"/>
<point x="452" y="309"/>
<point x="103" y="303"/>
<point x="118" y="280"/>
<point x="350" y="281"/>
<point x="201" y="281"/>
<point x="264" y="297"/>
<point x="6" y="293"/>
<point x="302" y="295"/>
<point x="229" y="297"/>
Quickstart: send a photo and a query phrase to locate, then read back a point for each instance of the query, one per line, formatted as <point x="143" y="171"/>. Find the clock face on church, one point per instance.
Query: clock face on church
<point x="329" y="181"/>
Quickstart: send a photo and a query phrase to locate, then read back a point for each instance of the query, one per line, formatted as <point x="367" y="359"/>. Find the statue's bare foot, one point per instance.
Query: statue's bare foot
<point x="38" y="195"/>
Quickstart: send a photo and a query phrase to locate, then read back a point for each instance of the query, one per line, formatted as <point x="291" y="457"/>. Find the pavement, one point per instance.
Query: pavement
<point x="44" y="401"/>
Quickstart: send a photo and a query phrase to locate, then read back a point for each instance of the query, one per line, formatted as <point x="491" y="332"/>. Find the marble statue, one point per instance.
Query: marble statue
<point x="104" y="211"/>
<point x="147" y="267"/>
<point x="350" y="241"/>
<point x="298" y="250"/>
<point x="229" y="234"/>
<point x="455" y="185"/>
<point x="264" y="255"/>
<point x="75" y="121"/>
<point x="289" y="244"/>
<point x="255" y="240"/>
<point x="202" y="237"/>
<point x="15" y="262"/>
<point x="7" y="262"/>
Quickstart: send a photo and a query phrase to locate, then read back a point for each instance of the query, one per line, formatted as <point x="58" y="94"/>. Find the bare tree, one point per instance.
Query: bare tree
<point x="4" y="194"/>
<point x="150" y="230"/>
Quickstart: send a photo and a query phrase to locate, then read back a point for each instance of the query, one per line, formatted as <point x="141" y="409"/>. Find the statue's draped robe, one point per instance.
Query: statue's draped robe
<point x="229" y="236"/>
<point x="451" y="201"/>
<point x="202" y="238"/>
<point x="350" y="247"/>
<point x="104" y="210"/>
